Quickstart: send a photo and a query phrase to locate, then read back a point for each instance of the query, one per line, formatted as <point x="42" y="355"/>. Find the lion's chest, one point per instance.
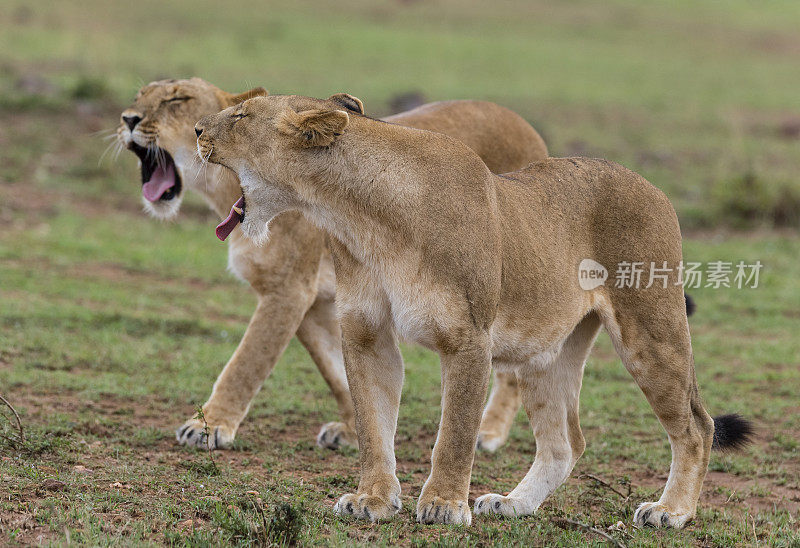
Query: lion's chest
<point x="415" y="313"/>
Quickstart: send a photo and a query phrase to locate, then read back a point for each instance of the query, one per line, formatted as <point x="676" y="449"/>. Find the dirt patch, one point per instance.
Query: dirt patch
<point x="39" y="405"/>
<point x="754" y="494"/>
<point x="42" y="204"/>
<point x="114" y="272"/>
<point x="24" y="529"/>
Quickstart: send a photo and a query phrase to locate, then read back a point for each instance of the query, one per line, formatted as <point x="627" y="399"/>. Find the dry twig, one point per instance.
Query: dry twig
<point x="607" y="485"/>
<point x="264" y="532"/>
<point x="19" y="428"/>
<point x="207" y="433"/>
<point x="565" y="523"/>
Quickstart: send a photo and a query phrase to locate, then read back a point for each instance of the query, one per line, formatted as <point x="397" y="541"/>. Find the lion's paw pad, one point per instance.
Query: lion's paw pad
<point x="367" y="507"/>
<point x="194" y="433"/>
<point x="504" y="506"/>
<point x="439" y="510"/>
<point x="336" y="434"/>
<point x="655" y="514"/>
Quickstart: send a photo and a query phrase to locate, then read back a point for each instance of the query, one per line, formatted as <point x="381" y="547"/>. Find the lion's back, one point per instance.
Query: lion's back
<point x="502" y="138"/>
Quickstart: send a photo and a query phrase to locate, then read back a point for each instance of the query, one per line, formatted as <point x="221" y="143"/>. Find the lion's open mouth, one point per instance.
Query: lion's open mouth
<point x="160" y="179"/>
<point x="235" y="217"/>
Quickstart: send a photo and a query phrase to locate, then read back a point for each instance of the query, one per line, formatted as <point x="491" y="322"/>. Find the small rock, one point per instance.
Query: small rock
<point x="54" y="485"/>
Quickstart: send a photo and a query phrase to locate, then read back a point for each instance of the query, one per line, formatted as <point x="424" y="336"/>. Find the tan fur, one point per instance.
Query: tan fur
<point x="292" y="274"/>
<point x="429" y="245"/>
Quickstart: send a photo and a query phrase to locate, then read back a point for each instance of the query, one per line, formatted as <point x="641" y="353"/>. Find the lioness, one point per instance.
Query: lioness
<point x="292" y="274"/>
<point x="429" y="245"/>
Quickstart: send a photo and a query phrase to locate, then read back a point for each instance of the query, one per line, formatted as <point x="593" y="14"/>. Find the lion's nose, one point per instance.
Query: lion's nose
<point x="198" y="130"/>
<point x="131" y="121"/>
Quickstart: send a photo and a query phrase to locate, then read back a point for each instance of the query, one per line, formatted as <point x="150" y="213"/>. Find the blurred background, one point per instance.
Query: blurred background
<point x="701" y="97"/>
<point x="113" y="326"/>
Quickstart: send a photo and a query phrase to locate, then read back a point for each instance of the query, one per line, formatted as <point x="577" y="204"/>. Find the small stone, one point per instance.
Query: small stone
<point x="54" y="485"/>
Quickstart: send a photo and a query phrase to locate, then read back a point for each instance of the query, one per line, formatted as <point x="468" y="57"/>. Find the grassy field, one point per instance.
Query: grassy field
<point x="113" y="327"/>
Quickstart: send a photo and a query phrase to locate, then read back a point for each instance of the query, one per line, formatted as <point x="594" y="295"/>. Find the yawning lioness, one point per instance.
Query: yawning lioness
<point x="430" y="245"/>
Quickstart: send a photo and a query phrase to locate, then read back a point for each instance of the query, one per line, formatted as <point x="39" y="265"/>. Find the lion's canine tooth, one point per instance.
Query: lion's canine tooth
<point x="238" y="210"/>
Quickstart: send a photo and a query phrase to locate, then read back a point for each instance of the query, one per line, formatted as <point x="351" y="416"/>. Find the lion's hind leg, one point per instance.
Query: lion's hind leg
<point x="652" y="338"/>
<point x="500" y="411"/>
<point x="320" y="335"/>
<point x="550" y="394"/>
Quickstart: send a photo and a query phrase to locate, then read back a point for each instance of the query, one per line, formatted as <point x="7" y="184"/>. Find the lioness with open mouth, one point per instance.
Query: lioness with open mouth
<point x="429" y="245"/>
<point x="292" y="274"/>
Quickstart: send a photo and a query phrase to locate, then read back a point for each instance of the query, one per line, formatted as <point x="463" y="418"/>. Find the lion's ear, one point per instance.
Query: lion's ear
<point x="314" y="128"/>
<point x="348" y="101"/>
<point x="230" y="99"/>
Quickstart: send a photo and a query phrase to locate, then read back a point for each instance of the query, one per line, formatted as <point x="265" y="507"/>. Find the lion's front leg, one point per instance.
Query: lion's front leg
<point x="375" y="376"/>
<point x="375" y="373"/>
<point x="272" y="326"/>
<point x="465" y="377"/>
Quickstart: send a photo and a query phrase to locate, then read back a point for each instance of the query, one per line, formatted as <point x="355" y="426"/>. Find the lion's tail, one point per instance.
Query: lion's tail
<point x="690" y="305"/>
<point x="732" y="432"/>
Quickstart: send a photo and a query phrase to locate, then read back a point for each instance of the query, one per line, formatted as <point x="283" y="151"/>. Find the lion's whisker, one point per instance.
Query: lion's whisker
<point x="117" y="150"/>
<point x="116" y="146"/>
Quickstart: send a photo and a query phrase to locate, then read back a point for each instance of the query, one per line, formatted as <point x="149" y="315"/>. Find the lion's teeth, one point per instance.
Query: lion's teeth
<point x="238" y="210"/>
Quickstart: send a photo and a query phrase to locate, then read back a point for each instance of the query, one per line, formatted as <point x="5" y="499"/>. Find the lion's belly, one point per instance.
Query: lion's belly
<point x="533" y="336"/>
<point x="326" y="280"/>
<point x="513" y="347"/>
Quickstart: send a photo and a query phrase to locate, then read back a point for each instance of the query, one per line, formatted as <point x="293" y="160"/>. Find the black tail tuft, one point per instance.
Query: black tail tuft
<point x="732" y="432"/>
<point x="690" y="305"/>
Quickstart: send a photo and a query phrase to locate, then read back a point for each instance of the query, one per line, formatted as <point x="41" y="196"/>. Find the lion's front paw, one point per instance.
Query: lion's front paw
<point x="438" y="510"/>
<point x="335" y="434"/>
<point x="655" y="514"/>
<point x="490" y="441"/>
<point x="193" y="433"/>
<point x="368" y="507"/>
<point x="504" y="506"/>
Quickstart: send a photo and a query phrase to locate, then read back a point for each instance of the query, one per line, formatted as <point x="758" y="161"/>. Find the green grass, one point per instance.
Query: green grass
<point x="113" y="327"/>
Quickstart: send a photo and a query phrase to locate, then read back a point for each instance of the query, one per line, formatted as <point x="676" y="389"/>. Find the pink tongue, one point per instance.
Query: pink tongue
<point x="225" y="228"/>
<point x="161" y="181"/>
